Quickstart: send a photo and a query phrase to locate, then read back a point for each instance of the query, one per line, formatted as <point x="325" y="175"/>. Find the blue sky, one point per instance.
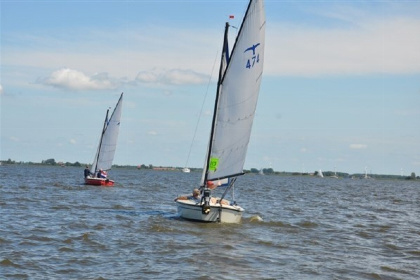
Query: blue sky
<point x="340" y="91"/>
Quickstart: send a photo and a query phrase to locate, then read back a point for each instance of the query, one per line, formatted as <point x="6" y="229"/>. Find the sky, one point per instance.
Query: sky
<point x="340" y="89"/>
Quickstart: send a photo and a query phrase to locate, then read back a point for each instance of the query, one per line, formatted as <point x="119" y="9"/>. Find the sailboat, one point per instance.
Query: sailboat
<point x="106" y="149"/>
<point x="319" y="174"/>
<point x="236" y="99"/>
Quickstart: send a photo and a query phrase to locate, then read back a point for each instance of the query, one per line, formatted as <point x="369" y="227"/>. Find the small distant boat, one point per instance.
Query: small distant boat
<point x="186" y="170"/>
<point x="366" y="174"/>
<point x="320" y="174"/>
<point x="236" y="99"/>
<point x="106" y="149"/>
<point x="335" y="175"/>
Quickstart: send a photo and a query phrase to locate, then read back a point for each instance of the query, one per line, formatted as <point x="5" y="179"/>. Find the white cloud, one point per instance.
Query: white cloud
<point x="366" y="43"/>
<point x="179" y="77"/>
<point x="358" y="146"/>
<point x="190" y="49"/>
<point x="72" y="79"/>
<point x="1" y="89"/>
<point x="14" y="139"/>
<point x="147" y="77"/>
<point x="377" y="45"/>
<point x="72" y="141"/>
<point x="172" y="77"/>
<point x="152" y="132"/>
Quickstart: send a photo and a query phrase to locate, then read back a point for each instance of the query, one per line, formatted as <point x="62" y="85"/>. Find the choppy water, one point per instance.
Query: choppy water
<point x="54" y="227"/>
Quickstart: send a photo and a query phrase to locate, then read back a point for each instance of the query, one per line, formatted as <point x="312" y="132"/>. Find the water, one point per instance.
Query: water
<point x="54" y="227"/>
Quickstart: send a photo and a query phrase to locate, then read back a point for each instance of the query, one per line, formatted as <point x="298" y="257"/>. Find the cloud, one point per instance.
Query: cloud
<point x="355" y="43"/>
<point x="358" y="146"/>
<point x="72" y="79"/>
<point x="147" y="77"/>
<point x="1" y="89"/>
<point x="72" y="141"/>
<point x="372" y="45"/>
<point x="188" y="48"/>
<point x="172" y="77"/>
<point x="152" y="132"/>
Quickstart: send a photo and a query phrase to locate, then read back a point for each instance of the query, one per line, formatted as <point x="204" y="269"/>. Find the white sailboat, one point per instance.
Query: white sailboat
<point x="320" y="174"/>
<point x="106" y="150"/>
<point x="335" y="174"/>
<point x="236" y="99"/>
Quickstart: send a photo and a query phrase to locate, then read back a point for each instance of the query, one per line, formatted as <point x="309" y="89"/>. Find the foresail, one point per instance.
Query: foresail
<point x="238" y="96"/>
<point x="108" y="143"/>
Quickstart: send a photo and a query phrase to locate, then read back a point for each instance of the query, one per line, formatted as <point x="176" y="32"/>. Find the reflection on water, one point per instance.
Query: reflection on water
<point x="53" y="227"/>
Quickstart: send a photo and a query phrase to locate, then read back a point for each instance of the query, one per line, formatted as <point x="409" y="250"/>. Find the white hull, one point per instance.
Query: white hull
<point x="191" y="210"/>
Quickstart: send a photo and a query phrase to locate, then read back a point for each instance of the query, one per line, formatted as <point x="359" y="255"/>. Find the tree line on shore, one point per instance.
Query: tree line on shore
<point x="262" y="171"/>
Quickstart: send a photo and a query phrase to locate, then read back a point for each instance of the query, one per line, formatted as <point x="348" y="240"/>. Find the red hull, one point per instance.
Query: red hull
<point x="99" y="182"/>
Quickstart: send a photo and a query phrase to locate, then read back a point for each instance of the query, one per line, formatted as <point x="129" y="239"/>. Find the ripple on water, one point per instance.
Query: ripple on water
<point x="307" y="224"/>
<point x="310" y="229"/>
<point x="7" y="262"/>
<point x="66" y="249"/>
<point x="414" y="253"/>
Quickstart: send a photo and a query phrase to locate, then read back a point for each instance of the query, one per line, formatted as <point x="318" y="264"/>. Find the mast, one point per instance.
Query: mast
<point x="116" y="106"/>
<point x="236" y="97"/>
<point x="225" y="56"/>
<point x="108" y="139"/>
<point x="100" y="141"/>
<point x="239" y="34"/>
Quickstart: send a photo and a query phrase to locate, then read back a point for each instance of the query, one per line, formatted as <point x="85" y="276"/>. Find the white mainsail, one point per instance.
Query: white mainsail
<point x="238" y="91"/>
<point x="235" y="104"/>
<point x="108" y="141"/>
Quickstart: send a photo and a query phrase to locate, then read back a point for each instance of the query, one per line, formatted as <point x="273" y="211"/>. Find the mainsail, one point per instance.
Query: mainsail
<point x="108" y="142"/>
<point x="236" y="100"/>
<point x="237" y="96"/>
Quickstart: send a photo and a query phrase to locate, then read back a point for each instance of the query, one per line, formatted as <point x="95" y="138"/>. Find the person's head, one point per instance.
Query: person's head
<point x="196" y="192"/>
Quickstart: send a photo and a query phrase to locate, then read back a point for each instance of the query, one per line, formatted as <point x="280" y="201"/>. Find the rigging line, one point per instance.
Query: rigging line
<point x="201" y="110"/>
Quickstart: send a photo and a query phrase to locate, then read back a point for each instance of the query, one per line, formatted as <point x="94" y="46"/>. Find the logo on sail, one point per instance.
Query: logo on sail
<point x="255" y="56"/>
<point x="214" y="163"/>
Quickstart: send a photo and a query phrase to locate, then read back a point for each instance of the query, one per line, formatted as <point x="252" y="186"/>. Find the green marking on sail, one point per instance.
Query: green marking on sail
<point x="214" y="163"/>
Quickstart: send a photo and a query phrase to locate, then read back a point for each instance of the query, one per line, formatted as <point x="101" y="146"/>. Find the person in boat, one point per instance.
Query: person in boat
<point x="211" y="185"/>
<point x="215" y="200"/>
<point x="102" y="174"/>
<point x="196" y="196"/>
<point x="87" y="172"/>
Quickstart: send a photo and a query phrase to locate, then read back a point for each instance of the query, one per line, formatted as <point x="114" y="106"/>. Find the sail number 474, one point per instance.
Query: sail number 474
<point x="255" y="57"/>
<point x="251" y="62"/>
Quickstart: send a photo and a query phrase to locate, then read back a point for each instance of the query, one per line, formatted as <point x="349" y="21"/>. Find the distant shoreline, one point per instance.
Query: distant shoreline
<point x="252" y="171"/>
